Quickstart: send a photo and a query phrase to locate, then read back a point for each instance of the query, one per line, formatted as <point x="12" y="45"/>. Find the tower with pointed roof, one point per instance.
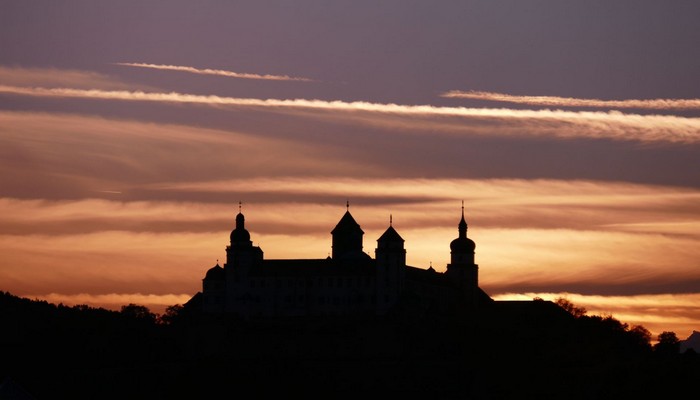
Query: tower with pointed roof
<point x="347" y="237"/>
<point x="390" y="256"/>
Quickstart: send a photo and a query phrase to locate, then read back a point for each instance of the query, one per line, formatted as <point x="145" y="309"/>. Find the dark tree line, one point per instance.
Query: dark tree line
<point x="81" y="352"/>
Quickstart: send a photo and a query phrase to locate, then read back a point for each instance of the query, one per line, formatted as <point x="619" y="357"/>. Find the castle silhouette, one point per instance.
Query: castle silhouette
<point x="348" y="282"/>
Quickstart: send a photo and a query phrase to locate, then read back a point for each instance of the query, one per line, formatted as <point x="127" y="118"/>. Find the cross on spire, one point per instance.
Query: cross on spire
<point x="239" y="206"/>
<point x="347" y="205"/>
<point x="391" y="218"/>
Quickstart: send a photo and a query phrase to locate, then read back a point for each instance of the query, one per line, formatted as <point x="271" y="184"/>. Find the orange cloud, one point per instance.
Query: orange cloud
<point x="555" y="101"/>
<point x="217" y="72"/>
<point x="587" y="246"/>
<point x="72" y="155"/>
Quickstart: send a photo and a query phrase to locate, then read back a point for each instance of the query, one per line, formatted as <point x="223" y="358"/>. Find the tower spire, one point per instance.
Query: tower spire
<point x="462" y="227"/>
<point x="239" y="206"/>
<point x="391" y="219"/>
<point x="347" y="205"/>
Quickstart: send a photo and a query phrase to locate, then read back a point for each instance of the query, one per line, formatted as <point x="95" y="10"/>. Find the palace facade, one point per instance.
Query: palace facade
<point x="347" y="282"/>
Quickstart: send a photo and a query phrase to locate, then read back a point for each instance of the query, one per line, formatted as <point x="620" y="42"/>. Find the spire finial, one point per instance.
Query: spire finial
<point x="347" y="205"/>
<point x="239" y="206"/>
<point x="462" y="224"/>
<point x="391" y="219"/>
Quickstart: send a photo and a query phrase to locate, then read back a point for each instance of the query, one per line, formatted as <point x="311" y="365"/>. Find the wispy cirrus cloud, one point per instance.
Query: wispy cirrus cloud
<point x="568" y="124"/>
<point x="556" y="101"/>
<point x="217" y="72"/>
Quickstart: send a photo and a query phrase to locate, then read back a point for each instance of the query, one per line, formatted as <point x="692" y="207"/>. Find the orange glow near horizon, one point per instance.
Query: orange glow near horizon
<point x="103" y="252"/>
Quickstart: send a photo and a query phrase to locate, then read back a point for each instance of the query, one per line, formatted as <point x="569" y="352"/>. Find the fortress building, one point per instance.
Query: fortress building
<point x="348" y="282"/>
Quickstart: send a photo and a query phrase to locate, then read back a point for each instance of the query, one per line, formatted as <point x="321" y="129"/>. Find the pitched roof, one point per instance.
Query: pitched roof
<point x="390" y="235"/>
<point x="347" y="223"/>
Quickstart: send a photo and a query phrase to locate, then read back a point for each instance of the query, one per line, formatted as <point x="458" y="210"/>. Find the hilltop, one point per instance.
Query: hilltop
<point x="55" y="351"/>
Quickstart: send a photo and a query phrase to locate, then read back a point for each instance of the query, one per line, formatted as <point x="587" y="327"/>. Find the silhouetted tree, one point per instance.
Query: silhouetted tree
<point x="570" y="307"/>
<point x="172" y="314"/>
<point x="640" y="336"/>
<point x="668" y="343"/>
<point x="139" y="313"/>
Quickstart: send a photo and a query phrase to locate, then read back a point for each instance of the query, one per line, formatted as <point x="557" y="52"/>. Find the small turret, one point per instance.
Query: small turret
<point x="240" y="237"/>
<point x="462" y="248"/>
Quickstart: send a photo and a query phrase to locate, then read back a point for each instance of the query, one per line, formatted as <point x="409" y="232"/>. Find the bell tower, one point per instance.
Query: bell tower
<point x="462" y="270"/>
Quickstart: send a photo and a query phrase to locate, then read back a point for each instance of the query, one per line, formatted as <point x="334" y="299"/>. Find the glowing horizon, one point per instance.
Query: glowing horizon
<point x="515" y="249"/>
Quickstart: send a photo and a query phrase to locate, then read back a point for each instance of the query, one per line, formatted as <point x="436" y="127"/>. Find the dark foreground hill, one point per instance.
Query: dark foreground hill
<point x="515" y="350"/>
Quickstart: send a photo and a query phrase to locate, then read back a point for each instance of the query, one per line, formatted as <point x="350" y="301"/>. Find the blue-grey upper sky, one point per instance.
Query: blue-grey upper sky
<point x="393" y="51"/>
<point x="405" y="52"/>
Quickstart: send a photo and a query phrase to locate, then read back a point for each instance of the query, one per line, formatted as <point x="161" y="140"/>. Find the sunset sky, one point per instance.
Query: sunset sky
<point x="130" y="131"/>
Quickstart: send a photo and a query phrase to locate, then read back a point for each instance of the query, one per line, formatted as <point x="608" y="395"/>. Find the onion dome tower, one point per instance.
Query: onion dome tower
<point x="240" y="237"/>
<point x="462" y="248"/>
<point x="241" y="252"/>
<point x="462" y="270"/>
<point x="214" y="289"/>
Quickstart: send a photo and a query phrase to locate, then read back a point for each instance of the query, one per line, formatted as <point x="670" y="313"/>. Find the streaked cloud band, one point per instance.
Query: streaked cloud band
<point x="555" y="101"/>
<point x="218" y="72"/>
<point x="608" y="125"/>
